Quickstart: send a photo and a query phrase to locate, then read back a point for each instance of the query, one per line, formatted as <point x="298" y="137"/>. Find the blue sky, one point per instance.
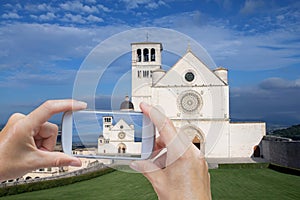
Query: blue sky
<point x="42" y="46"/>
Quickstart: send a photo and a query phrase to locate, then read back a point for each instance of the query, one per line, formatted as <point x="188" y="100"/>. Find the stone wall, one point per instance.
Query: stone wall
<point x="244" y="137"/>
<point x="281" y="151"/>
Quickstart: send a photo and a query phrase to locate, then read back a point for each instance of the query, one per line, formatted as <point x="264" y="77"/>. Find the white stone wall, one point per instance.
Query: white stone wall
<point x="243" y="138"/>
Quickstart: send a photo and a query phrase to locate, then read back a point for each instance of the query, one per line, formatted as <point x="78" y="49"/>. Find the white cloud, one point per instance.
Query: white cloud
<point x="11" y="15"/>
<point x="35" y="8"/>
<point x="104" y="8"/>
<point x="47" y="17"/>
<point x="155" y="5"/>
<point x="47" y="76"/>
<point x="235" y="49"/>
<point x="79" y="19"/>
<point x="42" y="45"/>
<point x="92" y="18"/>
<point x="279" y="83"/>
<point x="251" y="6"/>
<point x="44" y="7"/>
<point x="7" y="5"/>
<point x="77" y="6"/>
<point x="74" y="18"/>
<point x="33" y="16"/>
<point x="133" y="4"/>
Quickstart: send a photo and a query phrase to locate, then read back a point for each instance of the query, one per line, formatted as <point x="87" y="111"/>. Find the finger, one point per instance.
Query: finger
<point x="40" y="115"/>
<point x="163" y="124"/>
<point x="176" y="143"/>
<point x="13" y="119"/>
<point x="161" y="160"/>
<point x="56" y="159"/>
<point x="179" y="147"/>
<point x="151" y="171"/>
<point x="46" y="137"/>
<point x="158" y="147"/>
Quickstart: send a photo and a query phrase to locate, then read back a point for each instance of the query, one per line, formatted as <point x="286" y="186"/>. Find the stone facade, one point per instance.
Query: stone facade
<point x="195" y="98"/>
<point x="117" y="138"/>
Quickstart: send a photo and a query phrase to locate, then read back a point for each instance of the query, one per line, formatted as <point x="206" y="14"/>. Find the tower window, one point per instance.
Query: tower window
<point x="139" y="73"/>
<point x="146" y="55"/>
<point x="152" y="54"/>
<point x="146" y="74"/>
<point x="139" y="55"/>
<point x="107" y="119"/>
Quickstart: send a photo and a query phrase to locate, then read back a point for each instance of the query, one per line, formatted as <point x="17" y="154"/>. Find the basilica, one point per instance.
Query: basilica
<point x="194" y="97"/>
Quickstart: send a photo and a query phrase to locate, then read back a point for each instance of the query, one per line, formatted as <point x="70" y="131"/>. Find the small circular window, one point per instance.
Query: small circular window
<point x="189" y="76"/>
<point x="121" y="127"/>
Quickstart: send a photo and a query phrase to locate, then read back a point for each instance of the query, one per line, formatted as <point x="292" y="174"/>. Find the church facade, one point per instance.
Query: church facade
<point x="195" y="98"/>
<point x="118" y="138"/>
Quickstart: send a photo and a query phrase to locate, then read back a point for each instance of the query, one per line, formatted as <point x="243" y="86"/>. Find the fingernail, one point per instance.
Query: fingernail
<point x="80" y="104"/>
<point x="144" y="105"/>
<point x="75" y="163"/>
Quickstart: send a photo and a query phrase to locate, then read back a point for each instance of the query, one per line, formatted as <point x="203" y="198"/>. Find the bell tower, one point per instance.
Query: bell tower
<point x="146" y="58"/>
<point x="107" y="123"/>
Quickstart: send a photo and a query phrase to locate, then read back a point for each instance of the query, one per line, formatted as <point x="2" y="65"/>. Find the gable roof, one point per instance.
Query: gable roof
<point x="189" y="63"/>
<point x="126" y="127"/>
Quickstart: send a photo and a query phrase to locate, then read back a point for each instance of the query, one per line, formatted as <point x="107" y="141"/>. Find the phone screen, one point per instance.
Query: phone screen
<point x="107" y="134"/>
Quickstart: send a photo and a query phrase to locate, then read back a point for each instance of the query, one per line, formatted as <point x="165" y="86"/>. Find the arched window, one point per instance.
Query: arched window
<point x="256" y="151"/>
<point x="146" y="55"/>
<point x="139" y="55"/>
<point x="152" y="54"/>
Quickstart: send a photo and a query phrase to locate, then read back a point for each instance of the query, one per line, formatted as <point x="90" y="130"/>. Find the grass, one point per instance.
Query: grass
<point x="254" y="184"/>
<point x="226" y="184"/>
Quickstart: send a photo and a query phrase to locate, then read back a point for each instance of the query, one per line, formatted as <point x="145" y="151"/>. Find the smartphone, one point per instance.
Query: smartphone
<point x="108" y="135"/>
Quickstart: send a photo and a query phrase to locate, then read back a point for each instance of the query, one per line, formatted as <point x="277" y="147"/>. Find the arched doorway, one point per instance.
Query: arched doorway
<point x="195" y="135"/>
<point x="197" y="142"/>
<point x="256" y="151"/>
<point x="121" y="148"/>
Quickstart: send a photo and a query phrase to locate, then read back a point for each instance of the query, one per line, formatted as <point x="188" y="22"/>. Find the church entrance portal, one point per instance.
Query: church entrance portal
<point x="195" y="135"/>
<point x="122" y="148"/>
<point x="197" y="142"/>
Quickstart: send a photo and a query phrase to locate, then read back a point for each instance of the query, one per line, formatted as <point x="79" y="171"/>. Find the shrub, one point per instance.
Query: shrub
<point x="29" y="187"/>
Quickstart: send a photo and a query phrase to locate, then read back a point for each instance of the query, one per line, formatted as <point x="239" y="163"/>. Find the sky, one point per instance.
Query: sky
<point x="44" y="43"/>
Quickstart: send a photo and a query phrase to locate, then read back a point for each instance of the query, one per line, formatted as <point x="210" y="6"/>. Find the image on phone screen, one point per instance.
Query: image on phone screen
<point x="109" y="134"/>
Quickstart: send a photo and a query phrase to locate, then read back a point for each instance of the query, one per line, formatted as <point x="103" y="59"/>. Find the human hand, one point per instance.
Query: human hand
<point x="26" y="142"/>
<point x="180" y="173"/>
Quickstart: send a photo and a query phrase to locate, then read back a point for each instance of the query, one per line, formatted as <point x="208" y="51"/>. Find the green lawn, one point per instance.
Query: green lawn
<point x="254" y="184"/>
<point x="226" y="184"/>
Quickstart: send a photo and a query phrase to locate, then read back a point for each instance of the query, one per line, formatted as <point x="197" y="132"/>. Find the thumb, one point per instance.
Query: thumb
<point x="144" y="166"/>
<point x="58" y="159"/>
